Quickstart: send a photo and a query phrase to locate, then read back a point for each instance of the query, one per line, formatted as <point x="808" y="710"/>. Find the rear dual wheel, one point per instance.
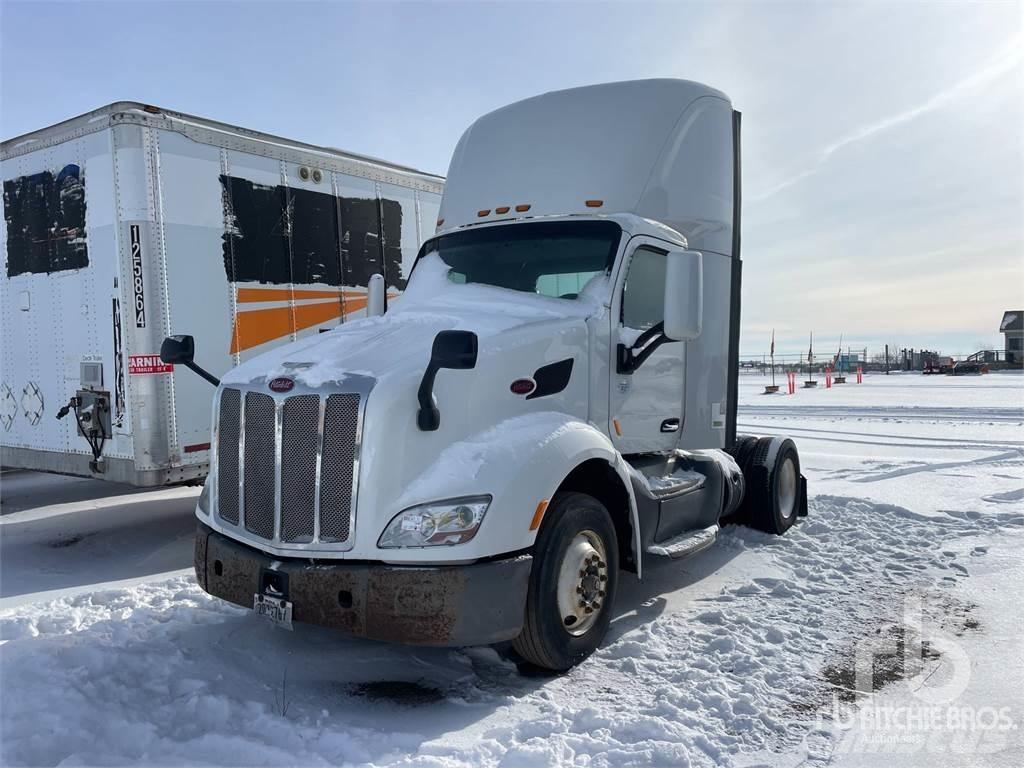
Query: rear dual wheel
<point x="572" y="585"/>
<point x="771" y="472"/>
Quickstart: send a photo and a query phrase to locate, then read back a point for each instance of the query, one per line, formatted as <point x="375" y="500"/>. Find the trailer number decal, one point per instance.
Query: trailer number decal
<point x="139" y="364"/>
<point x="140" y="298"/>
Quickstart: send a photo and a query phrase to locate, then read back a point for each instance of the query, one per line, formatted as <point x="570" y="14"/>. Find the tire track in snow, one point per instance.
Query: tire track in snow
<point x="741" y="671"/>
<point x="163" y="672"/>
<point x="888" y="413"/>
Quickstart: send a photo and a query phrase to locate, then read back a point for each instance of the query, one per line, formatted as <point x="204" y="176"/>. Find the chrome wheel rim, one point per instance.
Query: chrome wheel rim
<point x="786" y="489"/>
<point x="582" y="582"/>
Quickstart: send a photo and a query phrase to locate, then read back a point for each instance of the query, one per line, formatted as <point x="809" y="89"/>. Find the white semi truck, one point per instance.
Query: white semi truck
<point x="552" y="398"/>
<point x="128" y="221"/>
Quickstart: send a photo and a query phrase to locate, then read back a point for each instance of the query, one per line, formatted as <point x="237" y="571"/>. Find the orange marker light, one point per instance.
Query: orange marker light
<point x="440" y="222"/>
<point x="538" y="515"/>
<point x="595" y="203"/>
<point x="522" y="208"/>
<point x="502" y="209"/>
<point x="618" y="427"/>
<point x="483" y="212"/>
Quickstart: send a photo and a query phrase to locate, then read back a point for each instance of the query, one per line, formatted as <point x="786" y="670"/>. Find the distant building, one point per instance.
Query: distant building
<point x="1012" y="329"/>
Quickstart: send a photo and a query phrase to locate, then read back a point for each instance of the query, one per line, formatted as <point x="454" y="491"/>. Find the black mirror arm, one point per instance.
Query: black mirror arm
<point x="629" y="359"/>
<point x="428" y="418"/>
<point x="204" y="373"/>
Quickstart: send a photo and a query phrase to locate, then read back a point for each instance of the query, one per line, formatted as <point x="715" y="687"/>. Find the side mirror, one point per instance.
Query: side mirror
<point x="178" y="350"/>
<point x="376" y="297"/>
<point x="684" y="295"/>
<point x="452" y="349"/>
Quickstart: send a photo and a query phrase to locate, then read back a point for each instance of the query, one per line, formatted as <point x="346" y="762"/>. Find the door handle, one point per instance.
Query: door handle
<point x="670" y="425"/>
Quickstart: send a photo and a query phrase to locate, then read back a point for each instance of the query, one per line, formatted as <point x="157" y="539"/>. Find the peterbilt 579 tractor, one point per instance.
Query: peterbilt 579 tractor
<point x="550" y="401"/>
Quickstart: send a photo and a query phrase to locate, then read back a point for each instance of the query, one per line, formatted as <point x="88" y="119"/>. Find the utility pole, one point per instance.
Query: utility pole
<point x="886" y="359"/>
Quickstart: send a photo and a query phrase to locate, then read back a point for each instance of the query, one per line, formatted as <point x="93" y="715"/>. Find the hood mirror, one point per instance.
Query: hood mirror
<point x="180" y="350"/>
<point x="452" y="349"/>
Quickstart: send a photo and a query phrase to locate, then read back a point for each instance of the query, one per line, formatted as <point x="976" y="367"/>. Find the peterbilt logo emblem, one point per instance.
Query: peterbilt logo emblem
<point x="281" y="385"/>
<point x="523" y="386"/>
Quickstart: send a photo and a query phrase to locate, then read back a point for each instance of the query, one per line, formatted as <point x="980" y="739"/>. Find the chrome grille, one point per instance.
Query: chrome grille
<point x="288" y="466"/>
<point x="228" y="441"/>
<point x="341" y="420"/>
<point x="260" y="461"/>
<point x="300" y="434"/>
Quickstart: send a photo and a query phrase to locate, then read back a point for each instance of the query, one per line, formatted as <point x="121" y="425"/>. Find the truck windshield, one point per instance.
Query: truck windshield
<point x="550" y="258"/>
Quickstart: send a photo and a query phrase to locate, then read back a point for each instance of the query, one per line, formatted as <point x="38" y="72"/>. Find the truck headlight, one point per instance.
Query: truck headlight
<point x="453" y="521"/>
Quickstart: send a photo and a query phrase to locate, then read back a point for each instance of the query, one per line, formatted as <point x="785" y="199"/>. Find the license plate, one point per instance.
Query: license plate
<point x="273" y="609"/>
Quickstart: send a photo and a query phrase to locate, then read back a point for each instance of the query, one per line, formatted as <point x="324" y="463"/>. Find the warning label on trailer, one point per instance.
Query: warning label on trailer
<point x="147" y="364"/>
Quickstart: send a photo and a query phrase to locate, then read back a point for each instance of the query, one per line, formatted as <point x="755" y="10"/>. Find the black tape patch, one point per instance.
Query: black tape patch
<point x="277" y="235"/>
<point x="45" y="217"/>
<point x="552" y="378"/>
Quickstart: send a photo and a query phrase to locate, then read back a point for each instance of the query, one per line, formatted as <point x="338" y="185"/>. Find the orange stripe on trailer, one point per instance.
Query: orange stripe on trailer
<point x="259" y="326"/>
<point x="538" y="515"/>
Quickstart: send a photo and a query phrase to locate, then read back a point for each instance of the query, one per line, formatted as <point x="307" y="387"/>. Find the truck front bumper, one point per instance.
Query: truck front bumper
<point x="454" y="605"/>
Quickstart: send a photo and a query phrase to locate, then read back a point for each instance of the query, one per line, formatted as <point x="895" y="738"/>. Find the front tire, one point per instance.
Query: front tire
<point x="572" y="585"/>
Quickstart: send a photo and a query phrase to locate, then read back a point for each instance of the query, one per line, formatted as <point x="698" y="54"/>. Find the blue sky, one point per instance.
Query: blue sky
<point x="883" y="143"/>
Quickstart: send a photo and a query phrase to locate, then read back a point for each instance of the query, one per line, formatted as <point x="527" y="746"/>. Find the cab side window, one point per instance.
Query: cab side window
<point x="643" y="296"/>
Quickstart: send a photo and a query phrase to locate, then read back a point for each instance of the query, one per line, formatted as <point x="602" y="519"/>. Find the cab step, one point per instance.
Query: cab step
<point x="685" y="544"/>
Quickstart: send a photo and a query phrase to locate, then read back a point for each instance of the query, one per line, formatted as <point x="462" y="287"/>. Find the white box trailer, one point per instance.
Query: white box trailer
<point x="128" y="223"/>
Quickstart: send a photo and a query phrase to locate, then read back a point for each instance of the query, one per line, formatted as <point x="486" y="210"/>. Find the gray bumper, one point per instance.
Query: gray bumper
<point x="474" y="604"/>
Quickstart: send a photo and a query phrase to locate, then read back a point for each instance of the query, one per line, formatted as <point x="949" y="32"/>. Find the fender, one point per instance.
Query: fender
<point x="520" y="462"/>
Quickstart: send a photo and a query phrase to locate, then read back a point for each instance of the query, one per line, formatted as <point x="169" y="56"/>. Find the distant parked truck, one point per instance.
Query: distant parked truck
<point x="131" y="220"/>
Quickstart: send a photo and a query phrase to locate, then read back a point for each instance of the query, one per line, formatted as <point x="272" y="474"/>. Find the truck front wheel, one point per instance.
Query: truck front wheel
<point x="572" y="586"/>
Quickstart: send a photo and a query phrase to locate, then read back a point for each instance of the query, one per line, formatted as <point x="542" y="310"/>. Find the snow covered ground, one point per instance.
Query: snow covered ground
<point x="746" y="654"/>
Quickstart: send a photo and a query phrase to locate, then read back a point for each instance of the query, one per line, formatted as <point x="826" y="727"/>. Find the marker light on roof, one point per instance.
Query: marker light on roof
<point x="522" y="208"/>
<point x="595" y="203"/>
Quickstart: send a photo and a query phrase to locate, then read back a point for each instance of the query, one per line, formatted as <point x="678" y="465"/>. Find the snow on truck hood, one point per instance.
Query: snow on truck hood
<point x="402" y="338"/>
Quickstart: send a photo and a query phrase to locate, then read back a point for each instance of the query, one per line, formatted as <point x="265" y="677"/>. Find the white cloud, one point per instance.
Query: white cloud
<point x="1008" y="59"/>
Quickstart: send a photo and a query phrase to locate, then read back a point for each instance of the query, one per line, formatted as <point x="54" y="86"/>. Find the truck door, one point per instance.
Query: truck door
<point x="646" y="405"/>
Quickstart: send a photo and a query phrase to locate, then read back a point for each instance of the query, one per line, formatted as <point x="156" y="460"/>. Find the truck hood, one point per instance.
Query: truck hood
<point x="401" y="340"/>
<point x="521" y="336"/>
